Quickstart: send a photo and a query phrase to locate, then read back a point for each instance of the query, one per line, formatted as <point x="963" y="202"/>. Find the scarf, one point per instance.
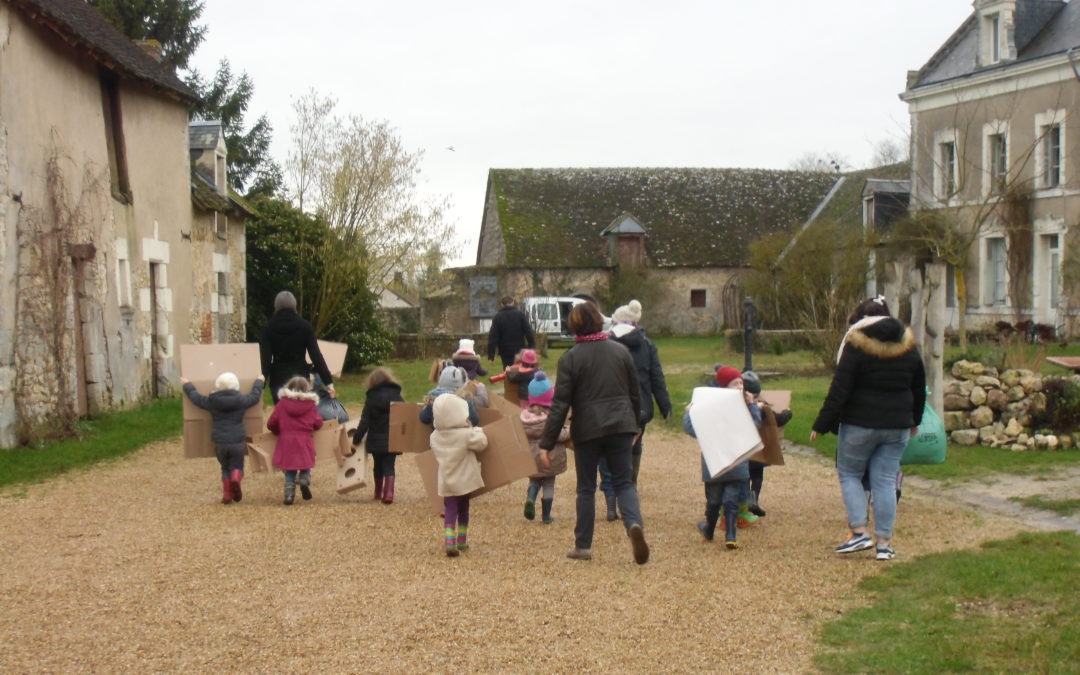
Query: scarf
<point x="591" y="337"/>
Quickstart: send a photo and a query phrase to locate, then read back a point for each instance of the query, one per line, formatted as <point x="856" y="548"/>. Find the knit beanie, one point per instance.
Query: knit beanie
<point x="628" y="313"/>
<point x="540" y="390"/>
<point x="528" y="357"/>
<point x="465" y="346"/>
<point x="453" y="378"/>
<point x="726" y="375"/>
<point x="226" y="381"/>
<point x="751" y="382"/>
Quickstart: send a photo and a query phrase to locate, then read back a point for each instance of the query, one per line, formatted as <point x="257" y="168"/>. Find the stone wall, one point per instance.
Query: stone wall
<point x="986" y="407"/>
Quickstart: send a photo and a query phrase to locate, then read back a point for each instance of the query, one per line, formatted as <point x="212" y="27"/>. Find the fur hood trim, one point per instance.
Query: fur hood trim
<point x="884" y="349"/>
<point x="298" y="395"/>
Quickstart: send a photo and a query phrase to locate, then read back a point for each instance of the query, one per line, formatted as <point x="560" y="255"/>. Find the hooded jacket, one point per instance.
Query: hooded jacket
<point x="534" y="428"/>
<point x="294" y="420"/>
<point x="879" y="381"/>
<point x="455" y="445"/>
<point x="650" y="374"/>
<point x="227" y="408"/>
<point x="375" y="418"/>
<point x="286" y="340"/>
<point x="470" y="362"/>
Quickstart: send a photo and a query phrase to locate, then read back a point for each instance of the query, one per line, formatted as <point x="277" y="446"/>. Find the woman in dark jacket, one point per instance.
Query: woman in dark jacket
<point x="874" y="405"/>
<point x="597" y="378"/>
<point x="382" y="390"/>
<point x="286" y="340"/>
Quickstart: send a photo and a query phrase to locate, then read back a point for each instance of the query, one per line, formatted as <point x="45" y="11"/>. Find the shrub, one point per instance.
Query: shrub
<point x="1062" y="413"/>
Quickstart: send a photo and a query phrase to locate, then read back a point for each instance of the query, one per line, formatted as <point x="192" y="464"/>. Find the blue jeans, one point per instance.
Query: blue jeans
<point x="616" y="450"/>
<point x="879" y="450"/>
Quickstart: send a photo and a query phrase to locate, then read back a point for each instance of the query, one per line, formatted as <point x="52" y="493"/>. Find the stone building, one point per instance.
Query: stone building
<point x="995" y="122"/>
<point x="103" y="247"/>
<point x="676" y="239"/>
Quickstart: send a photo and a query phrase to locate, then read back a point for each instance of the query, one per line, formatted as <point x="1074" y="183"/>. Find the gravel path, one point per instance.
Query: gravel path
<point x="136" y="566"/>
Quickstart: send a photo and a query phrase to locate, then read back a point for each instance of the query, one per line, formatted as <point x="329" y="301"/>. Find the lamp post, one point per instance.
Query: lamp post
<point x="748" y="333"/>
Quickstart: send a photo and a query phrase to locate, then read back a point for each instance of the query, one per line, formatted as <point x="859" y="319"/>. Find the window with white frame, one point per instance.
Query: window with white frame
<point x="999" y="162"/>
<point x="994" y="272"/>
<point x="994" y="29"/>
<point x="1051" y="245"/>
<point x="1049" y="152"/>
<point x="946" y="170"/>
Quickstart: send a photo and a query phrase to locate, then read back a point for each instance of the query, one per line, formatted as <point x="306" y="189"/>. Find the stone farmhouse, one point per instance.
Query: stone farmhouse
<point x="674" y="238"/>
<point x="995" y="141"/>
<point x="112" y="249"/>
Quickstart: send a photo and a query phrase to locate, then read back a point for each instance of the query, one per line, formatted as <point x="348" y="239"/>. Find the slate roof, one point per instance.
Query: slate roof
<point x="205" y="194"/>
<point x="693" y="217"/>
<point x="204" y="134"/>
<point x="82" y="27"/>
<point x="1043" y="28"/>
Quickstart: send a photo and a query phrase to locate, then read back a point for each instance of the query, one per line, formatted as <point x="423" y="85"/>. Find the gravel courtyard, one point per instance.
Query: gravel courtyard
<point x="135" y="566"/>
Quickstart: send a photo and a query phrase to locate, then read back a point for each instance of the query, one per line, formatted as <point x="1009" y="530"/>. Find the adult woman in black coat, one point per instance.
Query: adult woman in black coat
<point x="874" y="405"/>
<point x="286" y="340"/>
<point x="382" y="390"/>
<point x="598" y="379"/>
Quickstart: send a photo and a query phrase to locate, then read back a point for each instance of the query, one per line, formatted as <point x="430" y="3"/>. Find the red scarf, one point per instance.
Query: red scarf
<point x="592" y="337"/>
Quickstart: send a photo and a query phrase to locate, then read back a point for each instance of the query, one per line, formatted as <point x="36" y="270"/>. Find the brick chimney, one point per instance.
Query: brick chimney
<point x="151" y="48"/>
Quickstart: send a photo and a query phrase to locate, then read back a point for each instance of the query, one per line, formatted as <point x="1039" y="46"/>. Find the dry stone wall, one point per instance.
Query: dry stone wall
<point x="986" y="407"/>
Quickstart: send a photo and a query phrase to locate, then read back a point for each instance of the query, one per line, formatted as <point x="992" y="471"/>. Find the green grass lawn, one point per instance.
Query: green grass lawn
<point x="1007" y="607"/>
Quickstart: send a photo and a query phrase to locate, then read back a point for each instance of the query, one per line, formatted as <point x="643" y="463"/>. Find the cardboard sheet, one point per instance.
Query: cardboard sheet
<point x="202" y="364"/>
<point x="328" y="445"/>
<point x="772" y="436"/>
<point x="725" y="431"/>
<point x="506" y="459"/>
<point x="334" y="355"/>
<point x="408" y="434"/>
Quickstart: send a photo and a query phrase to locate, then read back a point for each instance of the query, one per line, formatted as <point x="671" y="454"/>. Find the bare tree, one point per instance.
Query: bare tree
<point x="359" y="178"/>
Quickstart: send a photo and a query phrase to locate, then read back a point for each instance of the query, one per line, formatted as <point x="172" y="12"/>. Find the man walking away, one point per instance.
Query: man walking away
<point x="510" y="333"/>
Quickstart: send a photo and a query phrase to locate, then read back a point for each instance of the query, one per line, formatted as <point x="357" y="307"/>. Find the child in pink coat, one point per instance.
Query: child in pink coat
<point x="294" y="420"/>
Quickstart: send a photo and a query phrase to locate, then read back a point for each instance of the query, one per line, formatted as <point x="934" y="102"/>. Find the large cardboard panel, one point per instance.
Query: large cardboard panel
<point x="724" y="428"/>
<point x="352" y="475"/>
<point x="771" y="435"/>
<point x="409" y="434"/>
<point x="202" y="364"/>
<point x="506" y="459"/>
<point x="327" y="446"/>
<point x="334" y="355"/>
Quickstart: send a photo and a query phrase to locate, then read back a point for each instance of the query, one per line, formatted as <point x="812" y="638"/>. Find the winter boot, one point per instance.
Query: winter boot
<point x="305" y="484"/>
<point x="462" y="537"/>
<point x="707" y="528"/>
<point x="378" y="488"/>
<point x="450" y="542"/>
<point x="290" y="492"/>
<point x="530" y="509"/>
<point x="753" y="507"/>
<point x="226" y="491"/>
<point x="545" y="509"/>
<point x="234" y="479"/>
<point x="388" y="490"/>
<point x="731" y="517"/>
<point x="612" y="514"/>
<point x="745" y="518"/>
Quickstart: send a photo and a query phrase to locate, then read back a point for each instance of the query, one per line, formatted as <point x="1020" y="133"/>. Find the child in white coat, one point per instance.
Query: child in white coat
<point x="455" y="443"/>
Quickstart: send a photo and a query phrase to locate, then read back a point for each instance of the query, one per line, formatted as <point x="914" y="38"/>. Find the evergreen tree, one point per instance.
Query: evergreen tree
<point x="171" y="22"/>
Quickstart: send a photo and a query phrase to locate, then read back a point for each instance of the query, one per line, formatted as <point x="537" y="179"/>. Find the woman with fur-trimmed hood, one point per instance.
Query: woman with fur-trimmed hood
<point x="874" y="405"/>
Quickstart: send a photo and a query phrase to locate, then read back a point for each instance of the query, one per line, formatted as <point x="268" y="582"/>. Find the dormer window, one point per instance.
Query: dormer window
<point x="994" y="31"/>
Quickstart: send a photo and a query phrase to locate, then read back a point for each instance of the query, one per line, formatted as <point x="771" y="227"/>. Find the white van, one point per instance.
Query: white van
<point x="547" y="314"/>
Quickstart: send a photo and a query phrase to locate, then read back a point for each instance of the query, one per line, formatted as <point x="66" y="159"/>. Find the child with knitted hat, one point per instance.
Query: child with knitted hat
<point x="752" y="386"/>
<point x="455" y="443"/>
<point x="467" y="358"/>
<point x="521" y="374"/>
<point x="548" y="464"/>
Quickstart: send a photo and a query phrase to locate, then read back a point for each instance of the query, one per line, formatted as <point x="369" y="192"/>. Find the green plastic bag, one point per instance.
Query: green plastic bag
<point x="930" y="444"/>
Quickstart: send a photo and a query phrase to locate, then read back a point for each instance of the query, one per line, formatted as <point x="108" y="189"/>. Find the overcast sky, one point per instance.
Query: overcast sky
<point x="584" y="83"/>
